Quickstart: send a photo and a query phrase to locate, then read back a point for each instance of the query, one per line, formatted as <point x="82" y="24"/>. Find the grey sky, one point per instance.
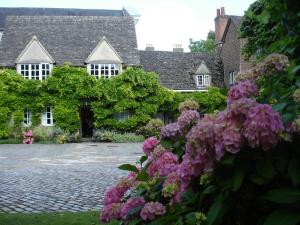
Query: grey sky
<point x="162" y="23"/>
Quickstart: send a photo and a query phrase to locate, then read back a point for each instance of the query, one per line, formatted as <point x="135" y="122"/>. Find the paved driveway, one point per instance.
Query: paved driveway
<point x="69" y="177"/>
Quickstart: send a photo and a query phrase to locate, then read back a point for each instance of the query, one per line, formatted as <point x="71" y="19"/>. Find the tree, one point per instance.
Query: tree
<point x="204" y="46"/>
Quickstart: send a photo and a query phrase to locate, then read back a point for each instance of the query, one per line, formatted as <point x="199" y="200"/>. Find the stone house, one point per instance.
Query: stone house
<point x="34" y="40"/>
<point x="230" y="46"/>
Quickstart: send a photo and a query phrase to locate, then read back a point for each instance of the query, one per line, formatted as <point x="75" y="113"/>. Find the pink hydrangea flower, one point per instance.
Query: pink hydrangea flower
<point x="111" y="211"/>
<point x="114" y="195"/>
<point x="151" y="210"/>
<point x="201" y="137"/>
<point x="186" y="119"/>
<point x="127" y="182"/>
<point x="171" y="130"/>
<point x="262" y="126"/>
<point x="130" y="204"/>
<point x="149" y="144"/>
<point x="239" y="108"/>
<point x="242" y="89"/>
<point x="162" y="166"/>
<point x="228" y="135"/>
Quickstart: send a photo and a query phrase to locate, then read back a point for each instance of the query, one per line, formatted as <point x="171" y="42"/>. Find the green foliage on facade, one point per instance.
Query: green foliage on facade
<point x="136" y="91"/>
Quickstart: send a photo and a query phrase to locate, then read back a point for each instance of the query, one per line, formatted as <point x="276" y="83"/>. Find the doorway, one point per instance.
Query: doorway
<point x="87" y="123"/>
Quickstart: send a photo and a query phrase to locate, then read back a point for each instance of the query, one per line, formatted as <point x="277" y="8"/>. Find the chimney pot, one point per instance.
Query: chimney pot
<point x="149" y="47"/>
<point x="177" y="48"/>
<point x="218" y="12"/>
<point x="222" y="11"/>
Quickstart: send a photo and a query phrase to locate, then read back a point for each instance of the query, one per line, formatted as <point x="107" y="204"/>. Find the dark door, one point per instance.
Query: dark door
<point x="86" y="116"/>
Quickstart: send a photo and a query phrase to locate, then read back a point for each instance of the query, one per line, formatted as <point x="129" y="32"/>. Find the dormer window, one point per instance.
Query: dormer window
<point x="34" y="71"/>
<point x="34" y="62"/>
<point x="203" y="77"/>
<point x="104" y="61"/>
<point x="104" y="70"/>
<point x="203" y="80"/>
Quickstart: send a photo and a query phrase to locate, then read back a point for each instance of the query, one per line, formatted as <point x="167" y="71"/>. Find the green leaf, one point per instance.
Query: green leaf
<point x="143" y="159"/>
<point x="142" y="176"/>
<point x="283" y="195"/>
<point x="210" y="189"/>
<point x="166" y="143"/>
<point x="279" y="106"/>
<point x="228" y="159"/>
<point x="295" y="70"/>
<point x="180" y="222"/>
<point x="282" y="218"/>
<point x="191" y="219"/>
<point x="265" y="169"/>
<point x="264" y="17"/>
<point x="298" y="82"/>
<point x="287" y="117"/>
<point x="294" y="171"/>
<point x="237" y="179"/>
<point x="214" y="210"/>
<point x="128" y="167"/>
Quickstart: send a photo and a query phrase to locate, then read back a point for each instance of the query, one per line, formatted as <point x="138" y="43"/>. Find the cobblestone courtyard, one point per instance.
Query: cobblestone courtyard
<point x="70" y="177"/>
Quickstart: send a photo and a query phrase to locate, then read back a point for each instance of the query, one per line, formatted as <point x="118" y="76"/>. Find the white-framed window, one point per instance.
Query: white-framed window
<point x="35" y="71"/>
<point x="231" y="77"/>
<point x="104" y="70"/>
<point x="122" y="116"/>
<point x="203" y="80"/>
<point x="27" y="118"/>
<point x="47" y="116"/>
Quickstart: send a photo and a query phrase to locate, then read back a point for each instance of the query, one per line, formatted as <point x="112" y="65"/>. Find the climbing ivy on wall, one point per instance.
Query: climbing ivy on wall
<point x="136" y="91"/>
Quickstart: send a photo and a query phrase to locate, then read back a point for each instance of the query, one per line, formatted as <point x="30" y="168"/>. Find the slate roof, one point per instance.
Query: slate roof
<point x="24" y="11"/>
<point x="69" y="38"/>
<point x="176" y="69"/>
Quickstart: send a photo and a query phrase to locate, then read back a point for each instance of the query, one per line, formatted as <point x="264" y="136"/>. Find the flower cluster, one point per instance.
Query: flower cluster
<point x="28" y="137"/>
<point x="187" y="119"/>
<point x="171" y="131"/>
<point x="151" y="210"/>
<point x="111" y="211"/>
<point x="273" y="63"/>
<point x="113" y="198"/>
<point x="165" y="164"/>
<point x="296" y="95"/>
<point x="243" y="89"/>
<point x="262" y="126"/>
<point x="149" y="144"/>
<point x="130" y="204"/>
<point x="188" y="105"/>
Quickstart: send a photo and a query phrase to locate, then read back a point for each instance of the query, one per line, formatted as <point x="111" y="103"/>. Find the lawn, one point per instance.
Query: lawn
<point x="65" y="218"/>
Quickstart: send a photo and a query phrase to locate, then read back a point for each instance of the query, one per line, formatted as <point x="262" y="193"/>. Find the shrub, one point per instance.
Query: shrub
<point x="152" y="128"/>
<point x="103" y="135"/>
<point x="128" y="137"/>
<point x="188" y="105"/>
<point x="112" y="136"/>
<point x="227" y="168"/>
<point x="41" y="133"/>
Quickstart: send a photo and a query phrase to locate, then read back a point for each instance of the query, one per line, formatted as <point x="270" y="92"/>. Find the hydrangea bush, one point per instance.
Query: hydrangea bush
<point x="238" y="166"/>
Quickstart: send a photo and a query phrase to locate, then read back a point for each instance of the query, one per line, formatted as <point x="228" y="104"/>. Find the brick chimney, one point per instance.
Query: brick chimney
<point x="220" y="24"/>
<point x="177" y="48"/>
<point x="149" y="47"/>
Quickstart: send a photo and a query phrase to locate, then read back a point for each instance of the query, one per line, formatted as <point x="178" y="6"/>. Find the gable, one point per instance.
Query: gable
<point x="103" y="53"/>
<point x="34" y="52"/>
<point x="202" y="69"/>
